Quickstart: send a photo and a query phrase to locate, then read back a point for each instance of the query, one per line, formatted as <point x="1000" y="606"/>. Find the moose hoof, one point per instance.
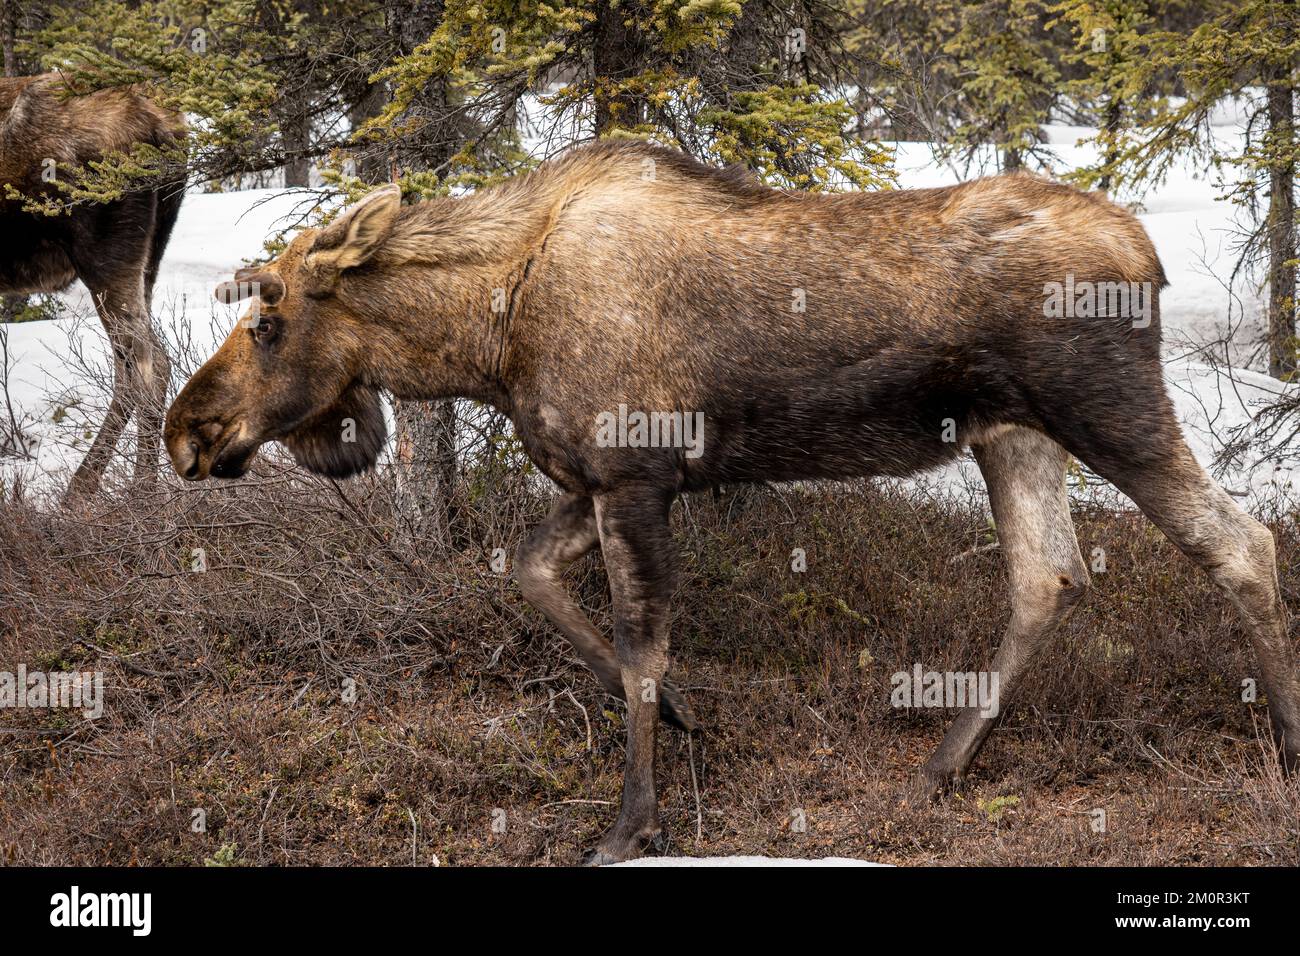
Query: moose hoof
<point x="674" y="710"/>
<point x="933" y="783"/>
<point x="616" y="849"/>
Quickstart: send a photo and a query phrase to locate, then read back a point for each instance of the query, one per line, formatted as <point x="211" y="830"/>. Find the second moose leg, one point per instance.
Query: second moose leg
<point x="1235" y="550"/>
<point x="568" y="533"/>
<point x="153" y="400"/>
<point x="122" y="402"/>
<point x="152" y="376"/>
<point x="1025" y="474"/>
<point x="117" y="284"/>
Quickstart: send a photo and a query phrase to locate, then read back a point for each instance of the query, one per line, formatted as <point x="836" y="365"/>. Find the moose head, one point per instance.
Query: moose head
<point x="292" y="368"/>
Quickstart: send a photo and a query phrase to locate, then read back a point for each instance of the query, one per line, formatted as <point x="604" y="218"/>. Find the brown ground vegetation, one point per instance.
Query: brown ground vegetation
<point x="226" y="689"/>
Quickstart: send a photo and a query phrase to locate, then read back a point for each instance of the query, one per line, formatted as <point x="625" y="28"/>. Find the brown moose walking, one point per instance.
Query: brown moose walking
<point x="818" y="336"/>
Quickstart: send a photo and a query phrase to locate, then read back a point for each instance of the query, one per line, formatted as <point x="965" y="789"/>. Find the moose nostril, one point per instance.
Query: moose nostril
<point x="193" y="470"/>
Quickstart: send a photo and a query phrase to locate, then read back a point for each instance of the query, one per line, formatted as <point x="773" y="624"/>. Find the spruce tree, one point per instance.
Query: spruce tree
<point x="1245" y="52"/>
<point x="1007" y="75"/>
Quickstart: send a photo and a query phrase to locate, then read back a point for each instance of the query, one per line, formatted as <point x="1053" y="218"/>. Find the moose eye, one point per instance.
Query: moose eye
<point x="265" y="330"/>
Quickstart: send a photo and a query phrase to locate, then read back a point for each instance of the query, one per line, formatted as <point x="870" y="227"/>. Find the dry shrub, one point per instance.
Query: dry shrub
<point x="340" y="685"/>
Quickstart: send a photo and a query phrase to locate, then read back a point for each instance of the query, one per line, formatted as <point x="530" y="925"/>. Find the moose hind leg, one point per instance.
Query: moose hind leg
<point x="85" y="481"/>
<point x="117" y="287"/>
<point x="156" y="375"/>
<point x="1025" y="474"/>
<point x="566" y="534"/>
<point x="1237" y="552"/>
<point x="152" y="376"/>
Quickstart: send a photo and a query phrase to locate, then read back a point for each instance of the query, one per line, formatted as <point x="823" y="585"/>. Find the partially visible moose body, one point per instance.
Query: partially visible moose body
<point x="113" y="247"/>
<point x="818" y="336"/>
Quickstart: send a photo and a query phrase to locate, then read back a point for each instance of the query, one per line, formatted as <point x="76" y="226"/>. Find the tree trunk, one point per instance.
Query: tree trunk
<point x="1281" y="229"/>
<point x="292" y="107"/>
<point x="434" y="138"/>
<point x="10" y="305"/>
<point x="425" y="431"/>
<point x="8" y="35"/>
<point x="1114" y="111"/>
<point x="426" y="451"/>
<point x="295" y="141"/>
<point x="371" y="164"/>
<point x="1009" y="157"/>
<point x="616" y="55"/>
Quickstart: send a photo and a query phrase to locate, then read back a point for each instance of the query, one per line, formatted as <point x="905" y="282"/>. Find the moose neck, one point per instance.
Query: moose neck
<point x="431" y="331"/>
<point x="442" y="293"/>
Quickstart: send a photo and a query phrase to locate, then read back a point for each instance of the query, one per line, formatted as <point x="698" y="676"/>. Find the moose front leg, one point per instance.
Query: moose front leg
<point x="568" y="533"/>
<point x="638" y="549"/>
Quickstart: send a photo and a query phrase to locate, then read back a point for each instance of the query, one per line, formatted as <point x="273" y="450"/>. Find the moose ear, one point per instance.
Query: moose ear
<point x="357" y="233"/>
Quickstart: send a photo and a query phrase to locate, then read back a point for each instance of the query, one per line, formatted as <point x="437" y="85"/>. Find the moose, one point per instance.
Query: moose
<point x="819" y="336"/>
<point x="114" y="248"/>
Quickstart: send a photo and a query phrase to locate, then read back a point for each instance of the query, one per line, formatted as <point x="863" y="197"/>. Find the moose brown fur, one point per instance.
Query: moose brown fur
<point x="820" y="336"/>
<point x="114" y="247"/>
